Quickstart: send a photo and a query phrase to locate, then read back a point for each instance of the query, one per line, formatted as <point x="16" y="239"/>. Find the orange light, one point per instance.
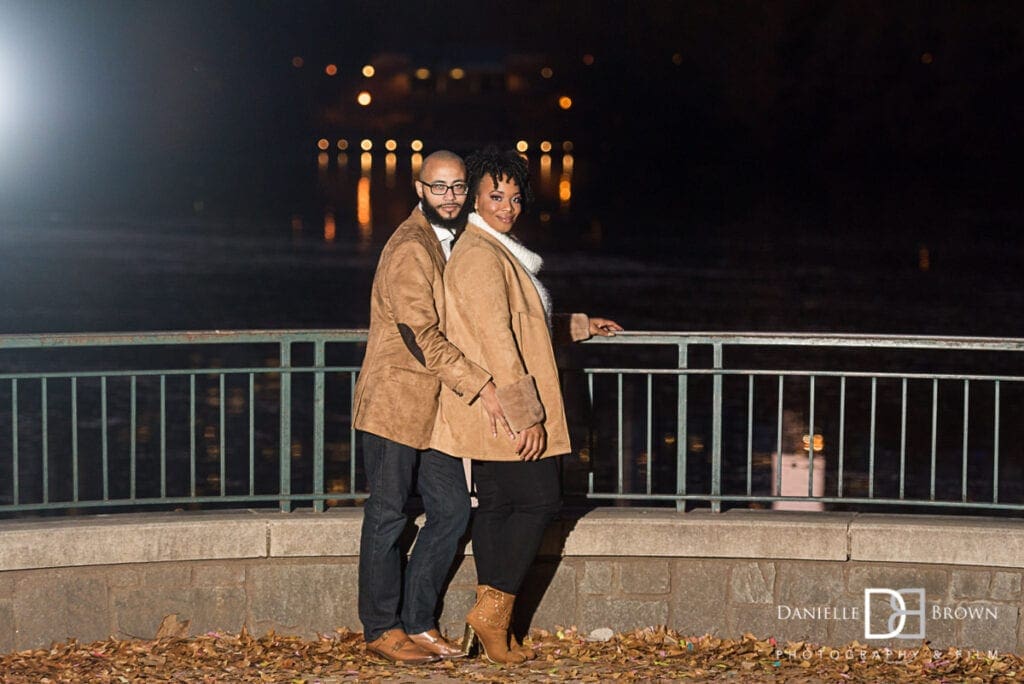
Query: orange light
<point x="567" y="146"/>
<point x="322" y="143"/>
<point x="416" y="145"/>
<point x="927" y="58"/>
<point x="363" y="214"/>
<point x="545" y="146"/>
<point x="422" y="73"/>
<point x="565" y="102"/>
<point x="547" y="72"/>
<point x="330" y="229"/>
<point x="321" y="160"/>
<point x="677" y="58"/>
<point x="331" y="69"/>
<point x="565" y="190"/>
<point x="457" y="73"/>
<point x="365" y="163"/>
<point x="297" y="223"/>
<point x="415" y="163"/>
<point x="522" y="146"/>
<point x="297" y="62"/>
<point x="390" y="145"/>
<point x="545" y="169"/>
<point x="588" y="59"/>
<point x="366" y="144"/>
<point x="364" y="98"/>
<point x="342" y="144"/>
<point x="390" y="162"/>
<point x="369" y="71"/>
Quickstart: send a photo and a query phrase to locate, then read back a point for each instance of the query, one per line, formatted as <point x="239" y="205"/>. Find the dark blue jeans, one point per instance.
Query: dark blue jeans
<point x="385" y="601"/>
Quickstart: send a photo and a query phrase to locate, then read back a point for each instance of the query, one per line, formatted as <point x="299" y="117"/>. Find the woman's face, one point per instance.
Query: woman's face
<point x="499" y="205"/>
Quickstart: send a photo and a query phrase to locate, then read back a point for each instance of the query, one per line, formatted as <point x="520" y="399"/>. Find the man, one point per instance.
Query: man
<point x="396" y="397"/>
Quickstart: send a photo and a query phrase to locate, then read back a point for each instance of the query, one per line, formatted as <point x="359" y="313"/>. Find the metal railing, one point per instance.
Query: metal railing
<point x="109" y="422"/>
<point x="863" y="422"/>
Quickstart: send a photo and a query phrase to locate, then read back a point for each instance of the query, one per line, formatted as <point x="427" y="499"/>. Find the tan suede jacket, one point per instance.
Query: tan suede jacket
<point x="407" y="354"/>
<point x="496" y="317"/>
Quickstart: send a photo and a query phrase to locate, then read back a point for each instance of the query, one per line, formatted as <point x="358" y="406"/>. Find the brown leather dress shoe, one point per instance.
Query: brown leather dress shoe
<point x="395" y="645"/>
<point x="435" y="643"/>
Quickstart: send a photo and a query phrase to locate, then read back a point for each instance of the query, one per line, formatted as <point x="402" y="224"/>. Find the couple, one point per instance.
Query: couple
<point x="459" y="368"/>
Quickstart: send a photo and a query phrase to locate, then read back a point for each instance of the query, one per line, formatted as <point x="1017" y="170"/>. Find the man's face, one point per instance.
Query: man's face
<point x="443" y="210"/>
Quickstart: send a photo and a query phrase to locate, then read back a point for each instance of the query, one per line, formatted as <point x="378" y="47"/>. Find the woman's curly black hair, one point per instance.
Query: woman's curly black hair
<point x="499" y="166"/>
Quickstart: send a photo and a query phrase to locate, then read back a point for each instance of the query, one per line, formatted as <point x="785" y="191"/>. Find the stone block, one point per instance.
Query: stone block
<point x="645" y="577"/>
<point x="970" y="584"/>
<point x="123" y="576"/>
<point x="130" y="538"/>
<point x="6" y="584"/>
<point x="304" y="598"/>
<point x="218" y="575"/>
<point x="57" y="606"/>
<point x="218" y="609"/>
<point x="934" y="581"/>
<point x="807" y="585"/>
<point x="702" y="534"/>
<point x="986" y="626"/>
<point x="700" y="596"/>
<point x="138" y="612"/>
<point x="1005" y="586"/>
<point x="548" y="598"/>
<point x="620" y="614"/>
<point x="950" y="540"/>
<point x="763" y="621"/>
<point x="753" y="582"/>
<point x="166" y="575"/>
<point x="455" y="603"/>
<point x="7" y="643"/>
<point x="597" y="577"/>
<point x="334" y="533"/>
<point x="465" y="572"/>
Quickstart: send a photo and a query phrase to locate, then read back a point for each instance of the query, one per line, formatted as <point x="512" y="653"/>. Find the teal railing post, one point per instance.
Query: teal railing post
<point x="681" y="424"/>
<point x="318" y="425"/>
<point x="285" y="484"/>
<point x="716" y="429"/>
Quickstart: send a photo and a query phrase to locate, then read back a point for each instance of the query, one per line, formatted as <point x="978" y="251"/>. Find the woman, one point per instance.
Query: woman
<point x="498" y="314"/>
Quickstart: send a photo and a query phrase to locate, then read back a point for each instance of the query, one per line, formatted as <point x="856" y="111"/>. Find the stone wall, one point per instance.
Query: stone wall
<point x="795" y="576"/>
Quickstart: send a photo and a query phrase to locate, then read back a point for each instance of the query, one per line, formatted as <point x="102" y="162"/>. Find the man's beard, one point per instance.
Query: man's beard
<point x="456" y="223"/>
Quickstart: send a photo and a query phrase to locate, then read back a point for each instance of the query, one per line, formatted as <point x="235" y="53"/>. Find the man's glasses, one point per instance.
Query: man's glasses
<point x="442" y="189"/>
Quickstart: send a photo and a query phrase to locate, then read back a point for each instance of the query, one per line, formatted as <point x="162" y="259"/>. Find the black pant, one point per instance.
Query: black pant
<point x="517" y="501"/>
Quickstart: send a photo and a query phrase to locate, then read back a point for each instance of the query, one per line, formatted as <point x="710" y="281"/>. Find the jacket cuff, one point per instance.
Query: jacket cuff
<point x="470" y="386"/>
<point x="521" y="403"/>
<point x="579" y="327"/>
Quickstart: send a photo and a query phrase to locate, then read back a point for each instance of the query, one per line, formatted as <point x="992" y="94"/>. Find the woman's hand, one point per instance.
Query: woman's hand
<point x="530" y="442"/>
<point x="604" y="327"/>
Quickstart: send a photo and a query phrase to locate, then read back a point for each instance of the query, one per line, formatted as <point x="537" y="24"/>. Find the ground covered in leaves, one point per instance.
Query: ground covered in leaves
<point x="646" y="655"/>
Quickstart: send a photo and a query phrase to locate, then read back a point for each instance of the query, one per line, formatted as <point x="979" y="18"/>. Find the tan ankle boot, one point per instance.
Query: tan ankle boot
<point x="513" y="644"/>
<point x="487" y="622"/>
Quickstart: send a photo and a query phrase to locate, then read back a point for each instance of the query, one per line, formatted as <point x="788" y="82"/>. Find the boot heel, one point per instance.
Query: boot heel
<point x="469" y="640"/>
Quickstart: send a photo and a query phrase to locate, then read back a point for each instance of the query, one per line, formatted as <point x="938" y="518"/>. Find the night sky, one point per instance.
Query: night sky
<point x="100" y="98"/>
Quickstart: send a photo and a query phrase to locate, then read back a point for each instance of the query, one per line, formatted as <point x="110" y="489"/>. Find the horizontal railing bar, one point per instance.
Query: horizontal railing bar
<point x="816" y="340"/>
<point x="264" y="370"/>
<point x="799" y="373"/>
<point x="127" y="339"/>
<point x="903" y="503"/>
<point x="240" y="498"/>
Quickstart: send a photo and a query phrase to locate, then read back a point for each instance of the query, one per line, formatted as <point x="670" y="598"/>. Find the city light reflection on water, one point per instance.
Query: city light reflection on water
<point x="382" y="193"/>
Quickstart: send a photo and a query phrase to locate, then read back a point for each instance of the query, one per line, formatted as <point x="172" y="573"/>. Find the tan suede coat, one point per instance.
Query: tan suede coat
<point x="496" y="317"/>
<point x="407" y="354"/>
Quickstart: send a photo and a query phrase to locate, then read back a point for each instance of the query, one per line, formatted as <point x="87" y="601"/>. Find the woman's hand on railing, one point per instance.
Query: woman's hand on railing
<point x="604" y="327"/>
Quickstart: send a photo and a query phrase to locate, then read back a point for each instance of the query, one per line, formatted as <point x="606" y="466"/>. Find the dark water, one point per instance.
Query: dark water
<point x="301" y="252"/>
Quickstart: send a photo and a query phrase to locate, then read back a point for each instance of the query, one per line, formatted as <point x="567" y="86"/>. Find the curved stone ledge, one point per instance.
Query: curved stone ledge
<point x="614" y="532"/>
<point x="725" y="574"/>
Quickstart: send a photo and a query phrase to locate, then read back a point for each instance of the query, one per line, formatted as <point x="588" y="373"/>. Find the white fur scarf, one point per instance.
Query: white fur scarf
<point x="531" y="261"/>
